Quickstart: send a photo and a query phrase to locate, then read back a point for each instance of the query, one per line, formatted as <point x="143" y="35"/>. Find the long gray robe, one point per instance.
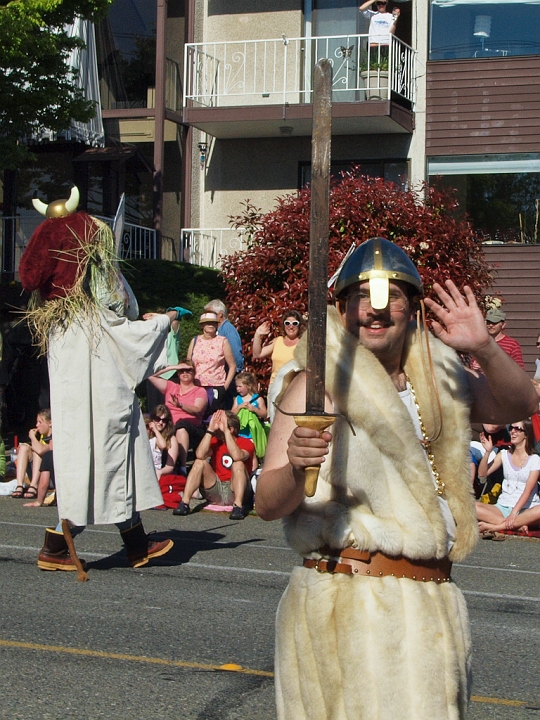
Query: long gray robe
<point x="102" y="460"/>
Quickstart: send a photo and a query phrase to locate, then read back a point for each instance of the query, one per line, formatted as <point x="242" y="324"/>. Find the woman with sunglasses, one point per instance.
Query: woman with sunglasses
<point x="281" y="348"/>
<point x="521" y="470"/>
<point x="163" y="442"/>
<point x="187" y="404"/>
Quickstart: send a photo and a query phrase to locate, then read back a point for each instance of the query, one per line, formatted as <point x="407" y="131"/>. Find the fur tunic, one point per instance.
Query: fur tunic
<point x="380" y="648"/>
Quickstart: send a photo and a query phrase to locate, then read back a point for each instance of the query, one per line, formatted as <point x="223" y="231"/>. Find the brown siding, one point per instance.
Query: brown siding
<point x="516" y="272"/>
<point x="483" y="106"/>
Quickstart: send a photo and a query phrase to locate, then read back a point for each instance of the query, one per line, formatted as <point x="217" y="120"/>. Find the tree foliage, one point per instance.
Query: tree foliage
<point x="36" y="86"/>
<point x="271" y="276"/>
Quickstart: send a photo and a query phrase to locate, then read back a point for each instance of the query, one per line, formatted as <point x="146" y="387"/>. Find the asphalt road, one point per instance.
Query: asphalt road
<point x="191" y="637"/>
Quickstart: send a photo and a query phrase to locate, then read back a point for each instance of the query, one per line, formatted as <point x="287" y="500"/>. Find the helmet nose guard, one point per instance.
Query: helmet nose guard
<point x="379" y="261"/>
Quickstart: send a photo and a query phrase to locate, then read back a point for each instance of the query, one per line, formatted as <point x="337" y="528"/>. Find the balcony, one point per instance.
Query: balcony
<point x="137" y="242"/>
<point x="206" y="246"/>
<point x="264" y="88"/>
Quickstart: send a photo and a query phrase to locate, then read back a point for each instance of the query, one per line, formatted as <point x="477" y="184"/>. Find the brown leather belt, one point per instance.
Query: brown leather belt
<point x="360" y="562"/>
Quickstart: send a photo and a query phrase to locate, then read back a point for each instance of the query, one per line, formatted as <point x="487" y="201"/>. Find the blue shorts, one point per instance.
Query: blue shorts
<point x="504" y="509"/>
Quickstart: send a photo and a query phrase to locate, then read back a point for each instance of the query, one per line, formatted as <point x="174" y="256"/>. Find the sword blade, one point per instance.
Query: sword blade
<point x="318" y="237"/>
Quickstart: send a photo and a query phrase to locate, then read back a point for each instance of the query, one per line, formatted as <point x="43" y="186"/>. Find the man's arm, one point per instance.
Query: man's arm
<point x="203" y="449"/>
<point x="504" y="393"/>
<point x="231" y="363"/>
<point x="231" y="333"/>
<point x="280" y="487"/>
<point x="366" y="5"/>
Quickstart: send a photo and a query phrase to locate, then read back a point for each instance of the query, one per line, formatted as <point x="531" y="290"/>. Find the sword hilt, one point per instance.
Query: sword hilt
<point x="319" y="423"/>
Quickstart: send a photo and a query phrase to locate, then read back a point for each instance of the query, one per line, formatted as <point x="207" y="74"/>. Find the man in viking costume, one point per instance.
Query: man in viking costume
<point x="83" y="314"/>
<point x="372" y="627"/>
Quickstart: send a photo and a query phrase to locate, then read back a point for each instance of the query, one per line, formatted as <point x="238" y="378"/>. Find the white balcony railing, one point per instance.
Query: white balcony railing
<point x="260" y="72"/>
<point x="137" y="242"/>
<point x="207" y="246"/>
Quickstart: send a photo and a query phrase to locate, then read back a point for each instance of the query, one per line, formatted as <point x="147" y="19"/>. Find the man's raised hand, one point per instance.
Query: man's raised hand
<point x="459" y="322"/>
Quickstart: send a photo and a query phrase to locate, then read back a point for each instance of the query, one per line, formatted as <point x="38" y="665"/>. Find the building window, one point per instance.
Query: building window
<point x="396" y="171"/>
<point x="499" y="194"/>
<point x="126" y="48"/>
<point x="483" y="29"/>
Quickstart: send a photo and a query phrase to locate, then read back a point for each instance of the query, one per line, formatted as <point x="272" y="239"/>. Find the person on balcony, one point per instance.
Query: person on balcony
<point x="382" y="24"/>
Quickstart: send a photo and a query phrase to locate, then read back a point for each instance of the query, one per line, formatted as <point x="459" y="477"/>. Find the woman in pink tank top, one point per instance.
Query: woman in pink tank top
<point x="213" y="358"/>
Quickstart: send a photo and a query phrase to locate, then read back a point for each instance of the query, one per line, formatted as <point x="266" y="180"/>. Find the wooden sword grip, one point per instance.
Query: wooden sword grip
<point x="313" y="422"/>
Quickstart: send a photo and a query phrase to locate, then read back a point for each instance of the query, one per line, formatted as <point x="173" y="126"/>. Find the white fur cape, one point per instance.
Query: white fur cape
<point x="360" y="648"/>
<point x="375" y="490"/>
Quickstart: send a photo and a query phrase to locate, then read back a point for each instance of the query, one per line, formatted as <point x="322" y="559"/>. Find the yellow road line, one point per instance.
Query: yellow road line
<point x="228" y="667"/>
<point x="497" y="701"/>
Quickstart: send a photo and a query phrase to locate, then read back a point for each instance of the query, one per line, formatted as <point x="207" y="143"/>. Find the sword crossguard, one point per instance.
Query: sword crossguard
<point x="319" y="423"/>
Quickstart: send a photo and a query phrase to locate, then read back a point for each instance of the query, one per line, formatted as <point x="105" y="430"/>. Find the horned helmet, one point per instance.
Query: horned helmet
<point x="58" y="208"/>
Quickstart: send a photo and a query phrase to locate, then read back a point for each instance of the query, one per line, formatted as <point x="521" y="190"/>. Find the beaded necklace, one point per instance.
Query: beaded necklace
<point x="439" y="485"/>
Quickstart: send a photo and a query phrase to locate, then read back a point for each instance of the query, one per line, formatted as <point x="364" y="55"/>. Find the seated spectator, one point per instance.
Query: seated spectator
<point x="250" y="409"/>
<point x="498" y="437"/>
<point x="225" y="479"/>
<point x="163" y="442"/>
<point x="153" y="396"/>
<point x="187" y="403"/>
<point x="521" y="469"/>
<point x="165" y="449"/>
<point x="29" y="455"/>
<point x="46" y="482"/>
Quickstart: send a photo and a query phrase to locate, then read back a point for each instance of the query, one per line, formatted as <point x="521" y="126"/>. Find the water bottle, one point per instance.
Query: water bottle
<point x="15" y="450"/>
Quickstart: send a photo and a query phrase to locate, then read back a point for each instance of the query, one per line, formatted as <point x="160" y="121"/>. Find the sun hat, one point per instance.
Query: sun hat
<point x="208" y="317"/>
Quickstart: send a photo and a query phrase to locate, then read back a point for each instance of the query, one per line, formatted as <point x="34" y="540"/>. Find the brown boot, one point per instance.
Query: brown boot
<point x="140" y="549"/>
<point x="54" y="555"/>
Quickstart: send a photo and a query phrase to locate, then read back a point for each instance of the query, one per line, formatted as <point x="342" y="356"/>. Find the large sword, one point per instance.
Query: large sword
<point x="315" y="416"/>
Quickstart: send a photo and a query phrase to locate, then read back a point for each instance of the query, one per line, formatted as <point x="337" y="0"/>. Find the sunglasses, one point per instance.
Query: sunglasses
<point x="294" y="323"/>
<point x="515" y="428"/>
<point x="159" y="419"/>
<point x="185" y="370"/>
<point x="538" y="343"/>
<point x="488" y="322"/>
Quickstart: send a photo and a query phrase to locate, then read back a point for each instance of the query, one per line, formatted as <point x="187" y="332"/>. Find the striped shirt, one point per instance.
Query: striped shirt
<point x="511" y="347"/>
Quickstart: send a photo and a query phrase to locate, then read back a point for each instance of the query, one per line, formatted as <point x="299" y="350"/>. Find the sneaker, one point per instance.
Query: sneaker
<point x="237" y="513"/>
<point x="182" y="509"/>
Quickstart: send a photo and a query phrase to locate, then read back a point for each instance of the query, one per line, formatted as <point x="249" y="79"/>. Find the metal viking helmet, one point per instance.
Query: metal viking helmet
<point x="379" y="261"/>
<point x="58" y="208"/>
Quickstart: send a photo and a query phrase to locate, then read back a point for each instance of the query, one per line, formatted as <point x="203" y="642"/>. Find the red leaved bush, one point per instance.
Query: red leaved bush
<point x="271" y="276"/>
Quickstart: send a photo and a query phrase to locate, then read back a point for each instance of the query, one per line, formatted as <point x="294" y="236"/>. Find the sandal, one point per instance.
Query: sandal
<point x="487" y="535"/>
<point x="18" y="493"/>
<point x="31" y="493"/>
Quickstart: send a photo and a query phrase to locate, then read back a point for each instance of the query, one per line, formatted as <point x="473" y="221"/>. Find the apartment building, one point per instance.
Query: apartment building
<point x="207" y="103"/>
<point x="456" y="100"/>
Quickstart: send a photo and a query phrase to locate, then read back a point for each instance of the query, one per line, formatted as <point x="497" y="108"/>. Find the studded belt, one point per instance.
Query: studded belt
<point x="359" y="562"/>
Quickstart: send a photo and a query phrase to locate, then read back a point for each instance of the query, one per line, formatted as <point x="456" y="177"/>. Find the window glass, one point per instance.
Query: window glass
<point x="126" y="46"/>
<point x="395" y="171"/>
<point x="477" y="29"/>
<point x="503" y="207"/>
